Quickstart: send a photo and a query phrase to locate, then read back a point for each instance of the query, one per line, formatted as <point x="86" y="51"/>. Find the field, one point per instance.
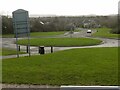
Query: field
<point x="61" y="42"/>
<point x="105" y="33"/>
<point x="36" y="34"/>
<point x="89" y="66"/>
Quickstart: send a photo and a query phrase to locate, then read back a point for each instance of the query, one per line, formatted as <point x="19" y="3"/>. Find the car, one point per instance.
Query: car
<point x="89" y="31"/>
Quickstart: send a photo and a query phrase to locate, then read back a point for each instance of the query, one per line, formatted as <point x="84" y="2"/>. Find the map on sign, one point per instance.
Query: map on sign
<point x="21" y="23"/>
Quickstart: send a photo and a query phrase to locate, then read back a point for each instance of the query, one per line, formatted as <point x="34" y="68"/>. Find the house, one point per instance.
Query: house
<point x="90" y="23"/>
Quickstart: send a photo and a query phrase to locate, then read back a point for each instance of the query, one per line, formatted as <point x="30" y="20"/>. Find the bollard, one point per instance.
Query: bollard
<point x="41" y="50"/>
<point x="51" y="49"/>
<point x="18" y="48"/>
<point x="27" y="49"/>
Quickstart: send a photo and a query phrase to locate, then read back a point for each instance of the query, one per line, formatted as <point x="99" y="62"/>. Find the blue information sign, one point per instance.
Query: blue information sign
<point x="21" y="23"/>
<point x="21" y="26"/>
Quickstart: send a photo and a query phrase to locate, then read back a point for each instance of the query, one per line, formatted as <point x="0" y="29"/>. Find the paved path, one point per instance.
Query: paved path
<point x="89" y="88"/>
<point x="46" y="87"/>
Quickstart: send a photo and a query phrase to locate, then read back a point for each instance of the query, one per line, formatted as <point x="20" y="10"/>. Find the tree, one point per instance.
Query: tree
<point x="7" y="27"/>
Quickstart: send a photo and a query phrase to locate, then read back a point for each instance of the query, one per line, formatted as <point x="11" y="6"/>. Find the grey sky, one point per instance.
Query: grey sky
<point x="61" y="7"/>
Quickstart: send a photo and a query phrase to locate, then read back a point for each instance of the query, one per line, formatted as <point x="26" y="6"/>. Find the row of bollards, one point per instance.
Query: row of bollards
<point x="41" y="49"/>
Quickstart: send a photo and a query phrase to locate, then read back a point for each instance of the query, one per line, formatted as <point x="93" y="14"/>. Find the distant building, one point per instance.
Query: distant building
<point x="90" y="23"/>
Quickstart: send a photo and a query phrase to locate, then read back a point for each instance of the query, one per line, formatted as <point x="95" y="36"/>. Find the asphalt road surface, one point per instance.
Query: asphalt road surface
<point x="10" y="43"/>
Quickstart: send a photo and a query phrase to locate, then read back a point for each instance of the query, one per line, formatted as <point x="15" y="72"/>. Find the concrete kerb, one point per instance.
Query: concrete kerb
<point x="62" y="87"/>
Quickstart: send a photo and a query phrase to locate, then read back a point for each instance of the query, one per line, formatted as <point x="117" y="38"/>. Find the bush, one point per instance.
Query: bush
<point x="115" y="30"/>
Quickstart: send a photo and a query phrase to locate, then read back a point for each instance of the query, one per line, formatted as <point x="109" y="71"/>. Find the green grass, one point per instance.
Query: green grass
<point x="90" y="66"/>
<point x="46" y="33"/>
<point x="105" y="33"/>
<point x="37" y="34"/>
<point x="6" y="51"/>
<point x="61" y="41"/>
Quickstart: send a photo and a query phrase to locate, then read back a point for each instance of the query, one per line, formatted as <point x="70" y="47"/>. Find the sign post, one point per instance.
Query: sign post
<point x="21" y="26"/>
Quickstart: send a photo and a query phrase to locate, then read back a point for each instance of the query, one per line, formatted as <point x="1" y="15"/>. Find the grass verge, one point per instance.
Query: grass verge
<point x="61" y="42"/>
<point x="6" y="51"/>
<point x="90" y="66"/>
<point x="105" y="33"/>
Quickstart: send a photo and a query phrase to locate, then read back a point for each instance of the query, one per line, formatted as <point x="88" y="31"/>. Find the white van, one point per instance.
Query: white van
<point x="89" y="31"/>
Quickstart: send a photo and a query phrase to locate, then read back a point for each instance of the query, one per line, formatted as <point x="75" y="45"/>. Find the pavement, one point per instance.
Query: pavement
<point x="46" y="87"/>
<point x="89" y="88"/>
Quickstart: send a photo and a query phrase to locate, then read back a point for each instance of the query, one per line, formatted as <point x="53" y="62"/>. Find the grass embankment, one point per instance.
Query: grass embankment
<point x="36" y="34"/>
<point x="61" y="42"/>
<point x="90" y="66"/>
<point x="105" y="33"/>
<point x="6" y="51"/>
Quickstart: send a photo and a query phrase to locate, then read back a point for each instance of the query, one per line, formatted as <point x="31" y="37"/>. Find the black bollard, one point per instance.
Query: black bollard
<point x="41" y="50"/>
<point x="18" y="48"/>
<point x="27" y="49"/>
<point x="51" y="49"/>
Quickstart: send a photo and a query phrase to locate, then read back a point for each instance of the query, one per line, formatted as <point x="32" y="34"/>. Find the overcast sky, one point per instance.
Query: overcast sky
<point x="61" y="7"/>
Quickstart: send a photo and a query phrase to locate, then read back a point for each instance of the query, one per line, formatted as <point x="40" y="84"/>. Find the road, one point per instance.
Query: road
<point x="10" y="43"/>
